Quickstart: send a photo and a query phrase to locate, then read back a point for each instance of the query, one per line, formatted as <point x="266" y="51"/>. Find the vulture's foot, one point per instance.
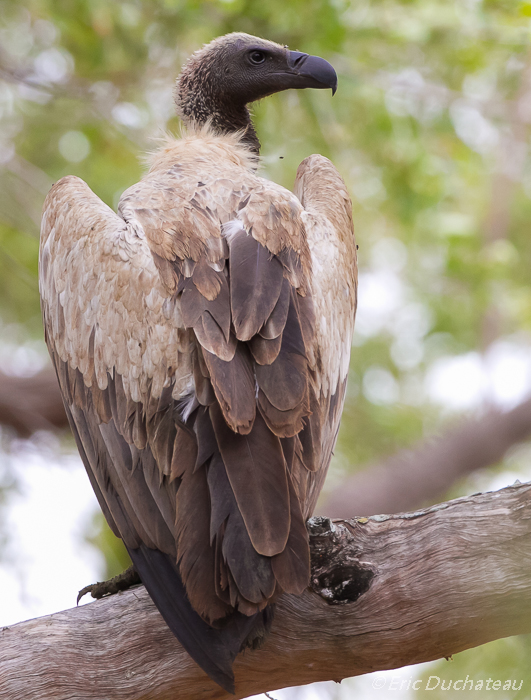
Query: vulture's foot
<point x="260" y="630"/>
<point x="114" y="585"/>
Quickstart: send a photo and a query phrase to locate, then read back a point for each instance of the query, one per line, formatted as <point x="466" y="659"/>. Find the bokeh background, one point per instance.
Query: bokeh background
<point x="430" y="129"/>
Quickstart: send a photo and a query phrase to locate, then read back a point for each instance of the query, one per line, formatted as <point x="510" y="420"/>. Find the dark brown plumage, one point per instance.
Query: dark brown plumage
<point x="201" y="340"/>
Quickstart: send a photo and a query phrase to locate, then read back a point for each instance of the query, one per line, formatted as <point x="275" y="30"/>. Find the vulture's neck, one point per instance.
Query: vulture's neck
<point x="227" y="121"/>
<point x="199" y="104"/>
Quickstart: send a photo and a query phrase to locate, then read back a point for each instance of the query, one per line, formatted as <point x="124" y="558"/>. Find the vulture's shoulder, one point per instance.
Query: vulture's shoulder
<point x="198" y="185"/>
<point x="104" y="304"/>
<point x="324" y="196"/>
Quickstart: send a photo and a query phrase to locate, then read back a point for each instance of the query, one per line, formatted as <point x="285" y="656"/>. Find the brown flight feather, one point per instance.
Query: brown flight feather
<point x="234" y="386"/>
<point x="255" y="284"/>
<point x="257" y="473"/>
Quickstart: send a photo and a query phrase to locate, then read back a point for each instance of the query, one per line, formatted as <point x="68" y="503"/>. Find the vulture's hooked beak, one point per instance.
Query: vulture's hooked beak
<point x="312" y="71"/>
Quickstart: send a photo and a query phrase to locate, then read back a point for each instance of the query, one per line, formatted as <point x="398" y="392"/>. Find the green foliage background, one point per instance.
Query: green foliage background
<point x="430" y="129"/>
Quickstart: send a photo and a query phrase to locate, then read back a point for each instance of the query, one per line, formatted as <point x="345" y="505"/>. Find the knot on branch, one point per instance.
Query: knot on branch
<point x="338" y="575"/>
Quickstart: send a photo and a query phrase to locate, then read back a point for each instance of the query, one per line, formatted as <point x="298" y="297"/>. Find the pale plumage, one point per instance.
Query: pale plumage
<point x="201" y="339"/>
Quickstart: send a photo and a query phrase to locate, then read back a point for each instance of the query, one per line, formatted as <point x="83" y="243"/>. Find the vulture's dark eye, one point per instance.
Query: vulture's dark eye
<point x="257" y="57"/>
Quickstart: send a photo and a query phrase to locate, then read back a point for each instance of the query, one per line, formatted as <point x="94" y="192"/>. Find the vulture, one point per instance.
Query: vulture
<point x="201" y="338"/>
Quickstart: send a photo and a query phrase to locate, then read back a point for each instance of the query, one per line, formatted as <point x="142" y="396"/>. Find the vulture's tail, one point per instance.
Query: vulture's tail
<point x="214" y="650"/>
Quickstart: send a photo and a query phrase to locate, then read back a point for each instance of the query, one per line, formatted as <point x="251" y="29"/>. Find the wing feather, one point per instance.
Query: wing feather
<point x="255" y="284"/>
<point x="196" y="557"/>
<point x="275" y="324"/>
<point x="251" y="571"/>
<point x="291" y="567"/>
<point x="234" y="386"/>
<point x="257" y="473"/>
<point x="264" y="350"/>
<point x="327" y="314"/>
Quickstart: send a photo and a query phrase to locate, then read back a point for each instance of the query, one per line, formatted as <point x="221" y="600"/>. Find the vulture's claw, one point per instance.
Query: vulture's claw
<point x="119" y="583"/>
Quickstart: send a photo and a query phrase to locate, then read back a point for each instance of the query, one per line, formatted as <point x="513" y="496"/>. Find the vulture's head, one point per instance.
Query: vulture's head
<point x="223" y="77"/>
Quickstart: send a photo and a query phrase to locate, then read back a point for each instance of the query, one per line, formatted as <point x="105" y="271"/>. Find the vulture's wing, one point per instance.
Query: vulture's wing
<point x="121" y="358"/>
<point x="183" y="336"/>
<point x="327" y="218"/>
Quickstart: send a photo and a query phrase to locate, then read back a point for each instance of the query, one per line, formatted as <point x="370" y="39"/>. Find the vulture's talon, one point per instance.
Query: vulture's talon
<point x="92" y="589"/>
<point x="114" y="585"/>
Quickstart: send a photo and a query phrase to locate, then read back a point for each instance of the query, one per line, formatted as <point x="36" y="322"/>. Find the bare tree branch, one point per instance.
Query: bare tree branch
<point x="28" y="404"/>
<point x="387" y="591"/>
<point x="424" y="473"/>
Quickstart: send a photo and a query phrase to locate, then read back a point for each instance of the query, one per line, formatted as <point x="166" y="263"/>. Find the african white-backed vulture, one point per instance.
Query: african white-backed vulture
<point x="201" y="338"/>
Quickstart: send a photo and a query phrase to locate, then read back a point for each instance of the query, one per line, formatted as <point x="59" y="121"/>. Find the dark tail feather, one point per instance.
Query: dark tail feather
<point x="214" y="650"/>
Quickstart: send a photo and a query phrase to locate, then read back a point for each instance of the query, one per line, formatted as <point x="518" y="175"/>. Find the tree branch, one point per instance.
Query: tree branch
<point x="28" y="404"/>
<point x="425" y="472"/>
<point x="387" y="591"/>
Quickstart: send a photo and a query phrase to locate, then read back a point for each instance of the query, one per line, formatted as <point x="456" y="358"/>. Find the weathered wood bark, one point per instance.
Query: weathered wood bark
<point x="387" y="591"/>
